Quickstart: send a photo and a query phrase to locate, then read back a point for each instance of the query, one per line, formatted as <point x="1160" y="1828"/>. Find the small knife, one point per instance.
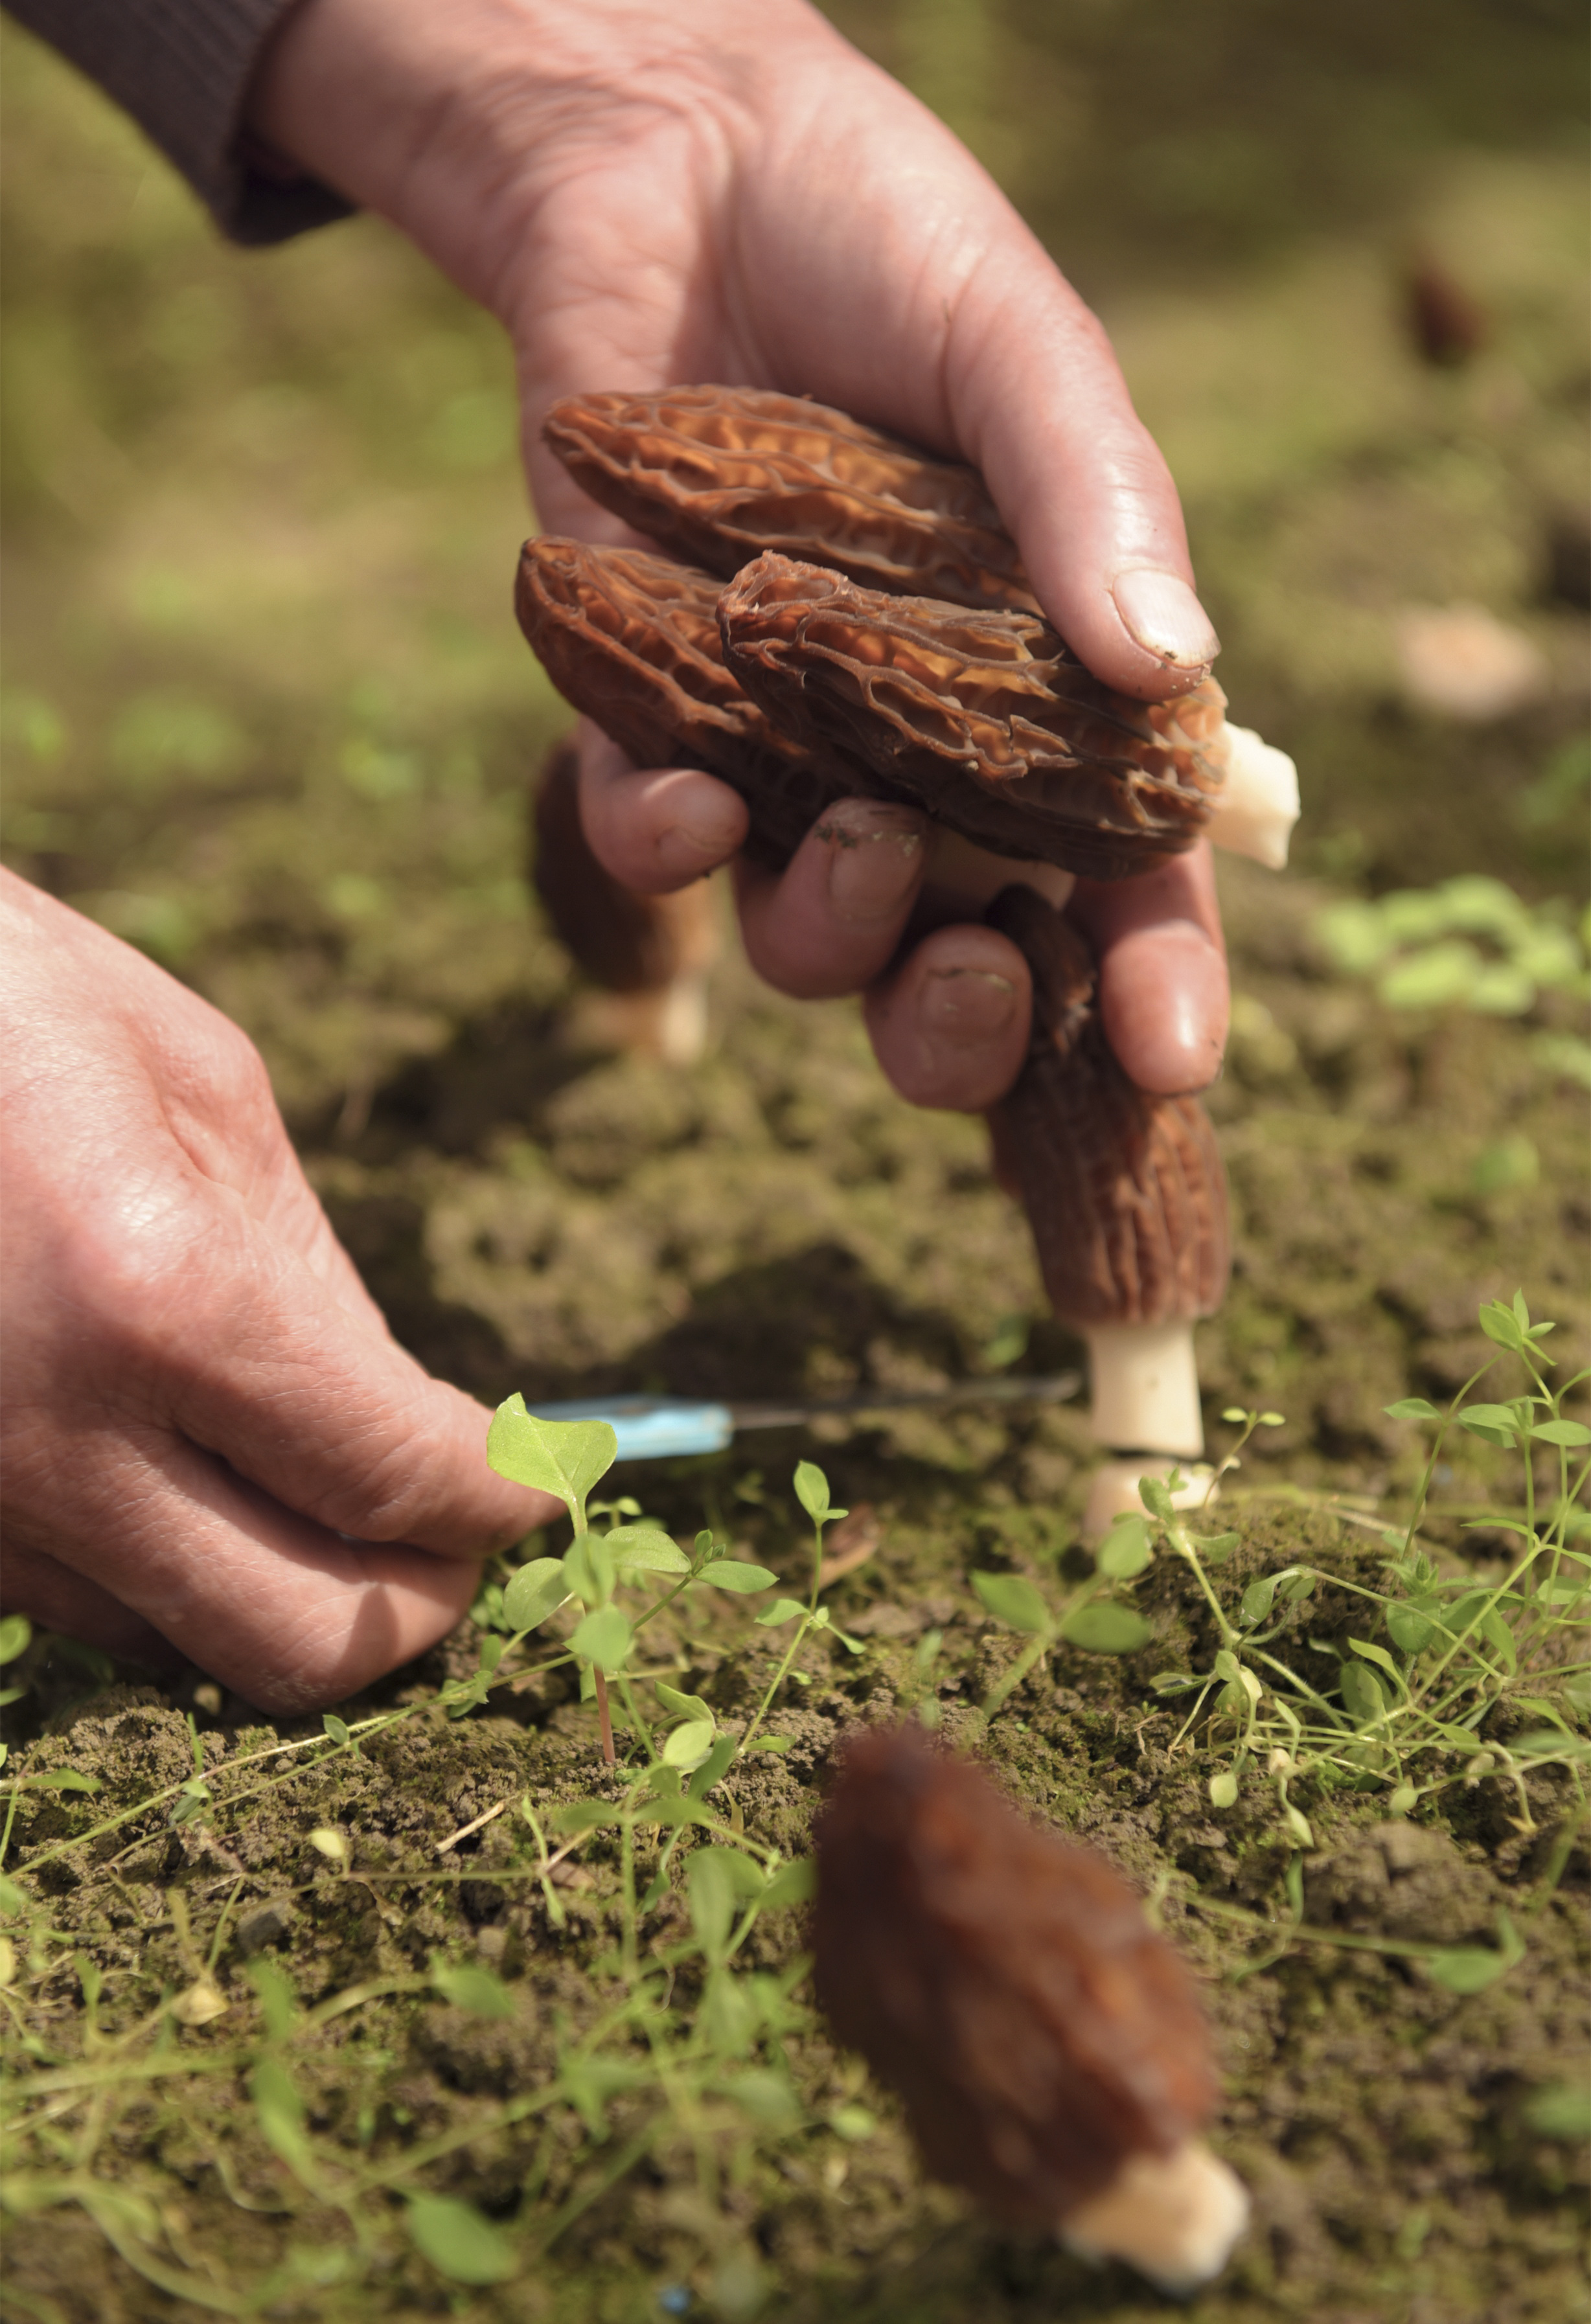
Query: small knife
<point x="657" y="1427"/>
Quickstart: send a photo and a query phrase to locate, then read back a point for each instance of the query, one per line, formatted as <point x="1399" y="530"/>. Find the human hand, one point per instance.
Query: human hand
<point x="202" y="1402"/>
<point x="646" y="196"/>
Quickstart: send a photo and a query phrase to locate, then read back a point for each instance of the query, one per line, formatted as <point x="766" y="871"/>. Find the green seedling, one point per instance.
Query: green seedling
<point x="1420" y="1696"/>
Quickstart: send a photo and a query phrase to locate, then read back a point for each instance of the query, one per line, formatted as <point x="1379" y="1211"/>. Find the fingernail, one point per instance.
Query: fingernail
<point x="967" y="1006"/>
<point x="1166" y="618"/>
<point x="876" y="856"/>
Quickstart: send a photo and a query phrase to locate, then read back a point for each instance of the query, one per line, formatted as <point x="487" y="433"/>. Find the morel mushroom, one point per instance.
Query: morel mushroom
<point x="1124" y="1193"/>
<point x="719" y="473"/>
<point x="1048" y="2044"/>
<point x="654" y="951"/>
<point x="632" y="640"/>
<point x="986" y="719"/>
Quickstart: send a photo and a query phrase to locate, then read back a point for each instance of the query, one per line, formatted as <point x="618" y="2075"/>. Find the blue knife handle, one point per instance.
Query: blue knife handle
<point x="651" y="1427"/>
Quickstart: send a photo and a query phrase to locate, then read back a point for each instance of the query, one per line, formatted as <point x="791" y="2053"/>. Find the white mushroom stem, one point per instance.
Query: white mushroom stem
<point x="1117" y="1492"/>
<point x="1174" y="2217"/>
<point x="1257" y="805"/>
<point x="1145" y="1387"/>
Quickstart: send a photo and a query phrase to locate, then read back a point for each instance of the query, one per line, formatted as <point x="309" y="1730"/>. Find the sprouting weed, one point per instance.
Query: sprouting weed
<point x="689" y="2050"/>
<point x="1442" y="1666"/>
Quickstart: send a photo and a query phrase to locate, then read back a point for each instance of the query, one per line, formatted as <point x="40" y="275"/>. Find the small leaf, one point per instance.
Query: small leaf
<point x="1561" y="2110"/>
<point x="1013" y="1600"/>
<point x="535" y="1592"/>
<point x="1125" y="1550"/>
<point x="1379" y="1656"/>
<point x="1300" y="1587"/>
<point x="1154" y="1495"/>
<point x="683" y="1706"/>
<point x="729" y="1573"/>
<point x="1234" y="1414"/>
<point x="277" y="2005"/>
<point x="604" y="1638"/>
<point x="1411" y="1407"/>
<point x="1495" y="1423"/>
<point x="589" y="1569"/>
<point x="1403" y="1799"/>
<point x="562" y="1457"/>
<point x="713" y="1767"/>
<point x="280" y="2112"/>
<point x="1548" y="1742"/>
<point x="1410" y="1630"/>
<point x="1101" y="1628"/>
<point x="1215" y="1548"/>
<point x="690" y="1743"/>
<point x="335" y="1728"/>
<point x="852" y="2122"/>
<point x="645" y="1549"/>
<point x="64" y="1779"/>
<point x="1465" y="1968"/>
<point x="1227" y="1666"/>
<point x="777" y="1744"/>
<point x="582" y="1815"/>
<point x="469" y="1987"/>
<point x="811" y="1489"/>
<point x="1223" y="1789"/>
<point x="459" y="2242"/>
<point x="1257" y="1600"/>
<point x="715" y="1884"/>
<point x="329" y="1843"/>
<point x="1501" y="1325"/>
<point x="1546" y="1431"/>
<point x="795" y="1883"/>
<point x="16" y="1634"/>
<point x="766" y="2096"/>
<point x="1363" y="1698"/>
<point x="782" y="1611"/>
<point x="1173" y="1682"/>
<point x="12" y="1899"/>
<point x="1298" y="1825"/>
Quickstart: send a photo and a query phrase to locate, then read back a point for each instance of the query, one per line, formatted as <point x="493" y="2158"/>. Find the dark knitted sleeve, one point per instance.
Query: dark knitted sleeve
<point x="182" y="69"/>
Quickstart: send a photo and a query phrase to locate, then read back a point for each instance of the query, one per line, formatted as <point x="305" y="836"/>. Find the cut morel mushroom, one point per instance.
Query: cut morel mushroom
<point x="1048" y="2044"/>
<point x="1124" y="1193"/>
<point x="632" y="640"/>
<point x="652" y="953"/>
<point x="985" y="718"/>
<point x="719" y="473"/>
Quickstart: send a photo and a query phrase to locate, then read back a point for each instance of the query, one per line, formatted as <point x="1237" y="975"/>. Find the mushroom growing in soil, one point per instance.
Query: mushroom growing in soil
<point x="804" y="682"/>
<point x="1125" y="1192"/>
<point x="1049" y="2046"/>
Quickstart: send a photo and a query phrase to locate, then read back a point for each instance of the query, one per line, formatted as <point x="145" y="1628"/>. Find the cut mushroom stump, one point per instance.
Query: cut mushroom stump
<point x="1048" y="2045"/>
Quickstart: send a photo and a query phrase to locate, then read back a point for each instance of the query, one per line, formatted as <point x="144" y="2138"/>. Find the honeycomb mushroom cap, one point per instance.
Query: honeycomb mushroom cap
<point x="632" y="640"/>
<point x="719" y="473"/>
<point x="985" y="719"/>
<point x="1003" y="1981"/>
<point x="1125" y="1192"/>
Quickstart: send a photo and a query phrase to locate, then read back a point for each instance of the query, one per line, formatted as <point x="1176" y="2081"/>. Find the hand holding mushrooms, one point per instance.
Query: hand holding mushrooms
<point x="649" y="196"/>
<point x="643" y="196"/>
